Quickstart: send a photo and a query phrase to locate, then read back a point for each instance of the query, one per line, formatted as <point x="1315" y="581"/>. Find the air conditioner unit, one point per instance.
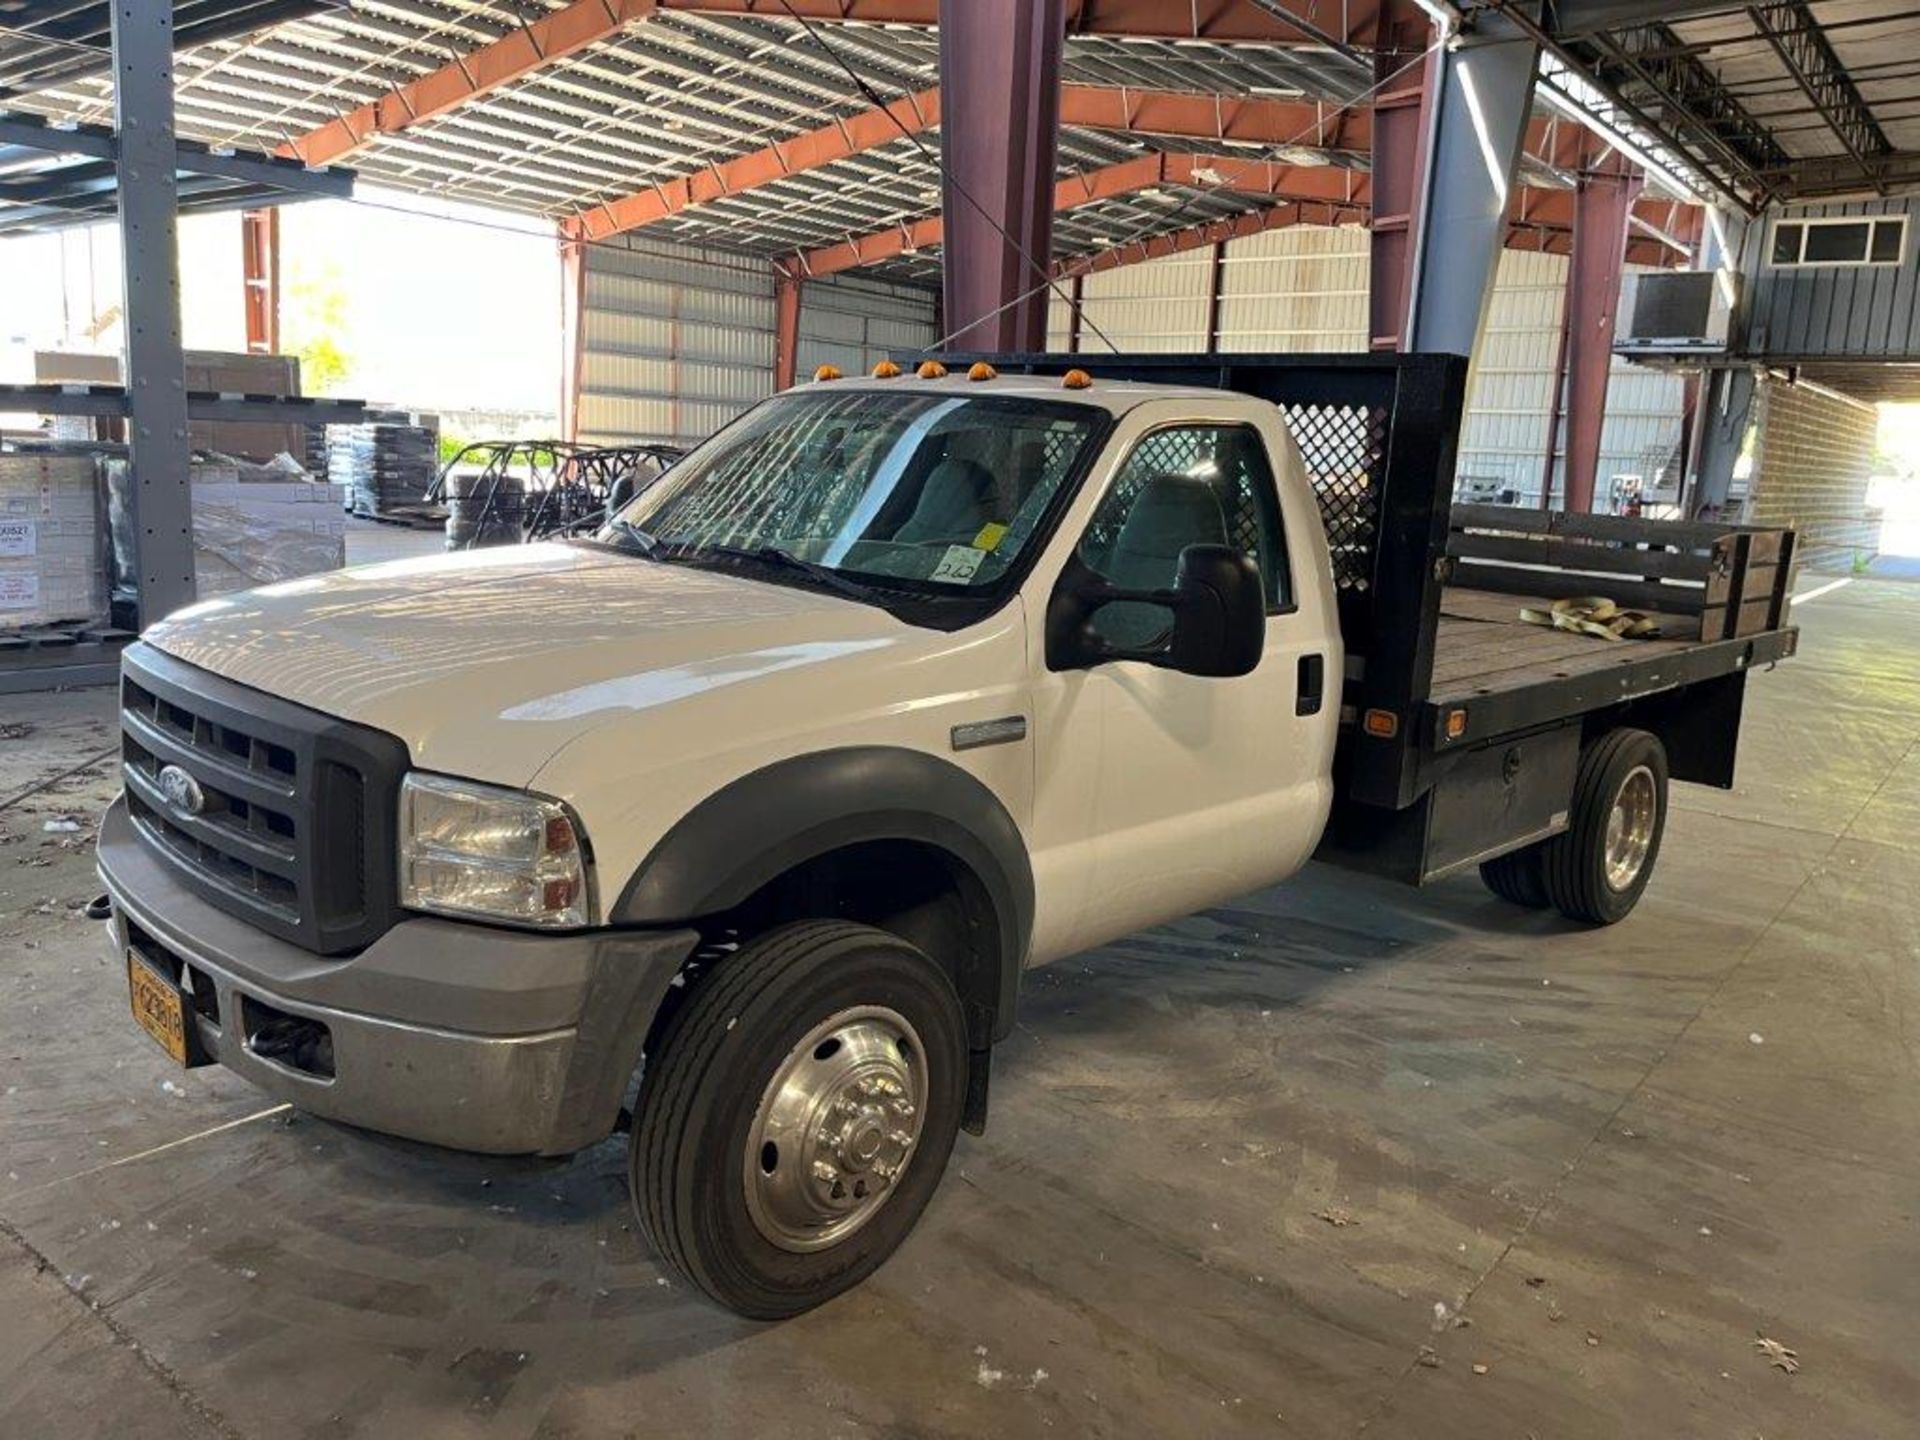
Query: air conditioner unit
<point x="1684" y="312"/>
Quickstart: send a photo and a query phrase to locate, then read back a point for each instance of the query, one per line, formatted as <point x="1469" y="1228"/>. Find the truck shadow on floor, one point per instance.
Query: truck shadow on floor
<point x="1270" y="951"/>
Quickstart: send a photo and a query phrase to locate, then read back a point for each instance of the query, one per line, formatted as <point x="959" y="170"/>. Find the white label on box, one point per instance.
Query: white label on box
<point x="19" y="592"/>
<point x="16" y="537"/>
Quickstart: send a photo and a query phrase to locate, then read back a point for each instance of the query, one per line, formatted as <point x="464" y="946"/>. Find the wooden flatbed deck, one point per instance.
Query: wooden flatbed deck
<point x="1510" y="676"/>
<point x="1483" y="646"/>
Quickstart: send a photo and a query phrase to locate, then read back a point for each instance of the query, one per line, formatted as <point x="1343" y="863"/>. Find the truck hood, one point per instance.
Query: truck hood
<point x="488" y="662"/>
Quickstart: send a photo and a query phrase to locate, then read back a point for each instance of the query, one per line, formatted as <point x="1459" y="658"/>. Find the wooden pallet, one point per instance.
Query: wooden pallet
<point x="408" y="517"/>
<point x="63" y="637"/>
<point x="45" y="657"/>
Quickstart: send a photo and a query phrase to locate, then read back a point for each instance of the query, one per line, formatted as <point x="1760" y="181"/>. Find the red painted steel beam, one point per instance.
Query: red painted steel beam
<point x="1000" y="82"/>
<point x="514" y="55"/>
<point x="1603" y="206"/>
<point x="1193" y="115"/>
<point x="1184" y="114"/>
<point x="260" y="273"/>
<point x="1225" y="21"/>
<point x="1144" y="172"/>
<point x="911" y="114"/>
<point x="1317" y="200"/>
<point x="1542" y="218"/>
<point x="1214" y="232"/>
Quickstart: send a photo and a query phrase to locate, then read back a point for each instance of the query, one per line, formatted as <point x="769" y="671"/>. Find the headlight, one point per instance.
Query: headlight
<point x="471" y="849"/>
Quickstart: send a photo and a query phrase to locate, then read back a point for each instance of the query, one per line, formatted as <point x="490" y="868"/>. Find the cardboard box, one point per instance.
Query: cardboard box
<point x="223" y="372"/>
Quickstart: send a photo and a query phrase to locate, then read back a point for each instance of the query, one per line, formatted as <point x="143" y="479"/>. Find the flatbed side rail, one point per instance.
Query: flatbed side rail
<point x="1377" y="435"/>
<point x="1735" y="580"/>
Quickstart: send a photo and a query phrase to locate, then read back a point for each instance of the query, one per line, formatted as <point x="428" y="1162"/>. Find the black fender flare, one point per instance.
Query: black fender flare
<point x="756" y="828"/>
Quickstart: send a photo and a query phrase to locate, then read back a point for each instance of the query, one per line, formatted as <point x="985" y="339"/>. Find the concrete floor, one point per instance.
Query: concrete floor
<point x="1339" y="1159"/>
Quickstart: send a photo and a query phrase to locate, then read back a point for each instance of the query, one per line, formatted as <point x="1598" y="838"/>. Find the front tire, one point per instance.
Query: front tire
<point x="796" y="1115"/>
<point x="1598" y="867"/>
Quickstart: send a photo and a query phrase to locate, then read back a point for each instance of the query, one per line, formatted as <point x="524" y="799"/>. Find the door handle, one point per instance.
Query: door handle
<point x="1313" y="685"/>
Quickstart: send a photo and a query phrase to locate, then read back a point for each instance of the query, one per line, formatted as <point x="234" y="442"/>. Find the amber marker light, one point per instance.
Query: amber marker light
<point x="885" y="370"/>
<point x="1076" y="380"/>
<point x="981" y="370"/>
<point x="931" y="370"/>
<point x="1383" y="724"/>
<point x="827" y="372"/>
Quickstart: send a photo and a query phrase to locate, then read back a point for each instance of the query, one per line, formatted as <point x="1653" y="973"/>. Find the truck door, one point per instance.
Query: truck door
<point x="1203" y="788"/>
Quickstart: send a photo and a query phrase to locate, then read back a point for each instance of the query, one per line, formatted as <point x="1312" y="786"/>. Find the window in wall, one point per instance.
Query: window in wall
<point x="1866" y="240"/>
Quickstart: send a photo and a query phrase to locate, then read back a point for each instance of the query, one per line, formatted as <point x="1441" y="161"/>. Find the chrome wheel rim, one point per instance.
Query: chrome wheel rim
<point x="1636" y="806"/>
<point x="836" y="1128"/>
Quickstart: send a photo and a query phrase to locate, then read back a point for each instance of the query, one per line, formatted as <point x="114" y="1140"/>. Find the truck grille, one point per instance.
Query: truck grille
<point x="276" y="813"/>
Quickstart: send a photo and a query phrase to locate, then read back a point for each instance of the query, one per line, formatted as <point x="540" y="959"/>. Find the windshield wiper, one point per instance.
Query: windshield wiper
<point x="774" y="558"/>
<point x="627" y="530"/>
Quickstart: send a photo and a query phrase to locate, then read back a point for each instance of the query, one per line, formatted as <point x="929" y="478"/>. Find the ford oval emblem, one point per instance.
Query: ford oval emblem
<point x="183" y="792"/>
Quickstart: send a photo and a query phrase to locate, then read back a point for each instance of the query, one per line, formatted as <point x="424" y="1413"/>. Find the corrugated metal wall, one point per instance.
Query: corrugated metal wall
<point x="1860" y="310"/>
<point x="1159" y="306"/>
<point x="855" y="323"/>
<point x="1297" y="290"/>
<point x="677" y="341"/>
<point x="1304" y="289"/>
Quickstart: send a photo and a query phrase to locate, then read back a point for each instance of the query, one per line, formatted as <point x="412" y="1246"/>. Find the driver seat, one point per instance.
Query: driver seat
<point x="954" y="503"/>
<point x="1170" y="513"/>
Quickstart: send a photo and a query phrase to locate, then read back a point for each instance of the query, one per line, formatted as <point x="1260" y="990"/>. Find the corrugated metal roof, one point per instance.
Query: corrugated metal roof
<point x="670" y="96"/>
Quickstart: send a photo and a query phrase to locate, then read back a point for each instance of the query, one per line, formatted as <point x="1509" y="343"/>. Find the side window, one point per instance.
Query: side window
<point x="1187" y="485"/>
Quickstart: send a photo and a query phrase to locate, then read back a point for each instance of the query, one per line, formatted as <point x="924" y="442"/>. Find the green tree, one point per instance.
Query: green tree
<point x="314" y="325"/>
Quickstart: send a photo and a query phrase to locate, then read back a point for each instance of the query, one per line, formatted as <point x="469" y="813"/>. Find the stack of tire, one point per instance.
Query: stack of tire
<point x="484" y="509"/>
<point x="383" y="469"/>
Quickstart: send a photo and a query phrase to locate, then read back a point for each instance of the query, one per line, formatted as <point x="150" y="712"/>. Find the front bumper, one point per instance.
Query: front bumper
<point x="462" y="1035"/>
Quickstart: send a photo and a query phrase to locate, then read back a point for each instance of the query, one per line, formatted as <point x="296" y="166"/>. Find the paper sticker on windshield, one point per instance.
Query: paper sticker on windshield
<point x="958" y="565"/>
<point x="990" y="536"/>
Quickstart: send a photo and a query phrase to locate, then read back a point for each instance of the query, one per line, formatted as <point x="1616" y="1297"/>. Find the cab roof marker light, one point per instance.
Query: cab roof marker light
<point x="931" y="370"/>
<point x="981" y="370"/>
<point x="827" y="372"/>
<point x="885" y="370"/>
<point x="1076" y="380"/>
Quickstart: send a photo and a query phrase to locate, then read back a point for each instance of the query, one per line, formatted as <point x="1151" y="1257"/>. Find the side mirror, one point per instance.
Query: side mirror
<point x="1217" y="616"/>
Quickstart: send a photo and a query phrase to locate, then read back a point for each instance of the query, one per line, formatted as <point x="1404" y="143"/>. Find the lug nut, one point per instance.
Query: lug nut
<point x="824" y="1173"/>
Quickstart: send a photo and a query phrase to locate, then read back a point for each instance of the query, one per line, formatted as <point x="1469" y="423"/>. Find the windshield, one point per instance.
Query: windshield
<point x="909" y="489"/>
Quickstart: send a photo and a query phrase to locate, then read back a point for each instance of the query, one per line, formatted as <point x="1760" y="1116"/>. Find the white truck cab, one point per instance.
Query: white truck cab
<point x="747" y="811"/>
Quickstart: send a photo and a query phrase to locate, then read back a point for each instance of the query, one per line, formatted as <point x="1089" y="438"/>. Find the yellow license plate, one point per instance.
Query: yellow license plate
<point x="159" y="1007"/>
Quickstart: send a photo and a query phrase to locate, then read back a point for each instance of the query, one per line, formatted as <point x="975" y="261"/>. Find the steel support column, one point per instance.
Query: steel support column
<point x="786" y="330"/>
<point x="1477" y="121"/>
<point x="1735" y="402"/>
<point x="1729" y="400"/>
<point x="153" y="362"/>
<point x="1400" y="116"/>
<point x="573" y="334"/>
<point x="999" y="136"/>
<point x="1603" y="203"/>
<point x="1216" y="293"/>
<point x="260" y="263"/>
